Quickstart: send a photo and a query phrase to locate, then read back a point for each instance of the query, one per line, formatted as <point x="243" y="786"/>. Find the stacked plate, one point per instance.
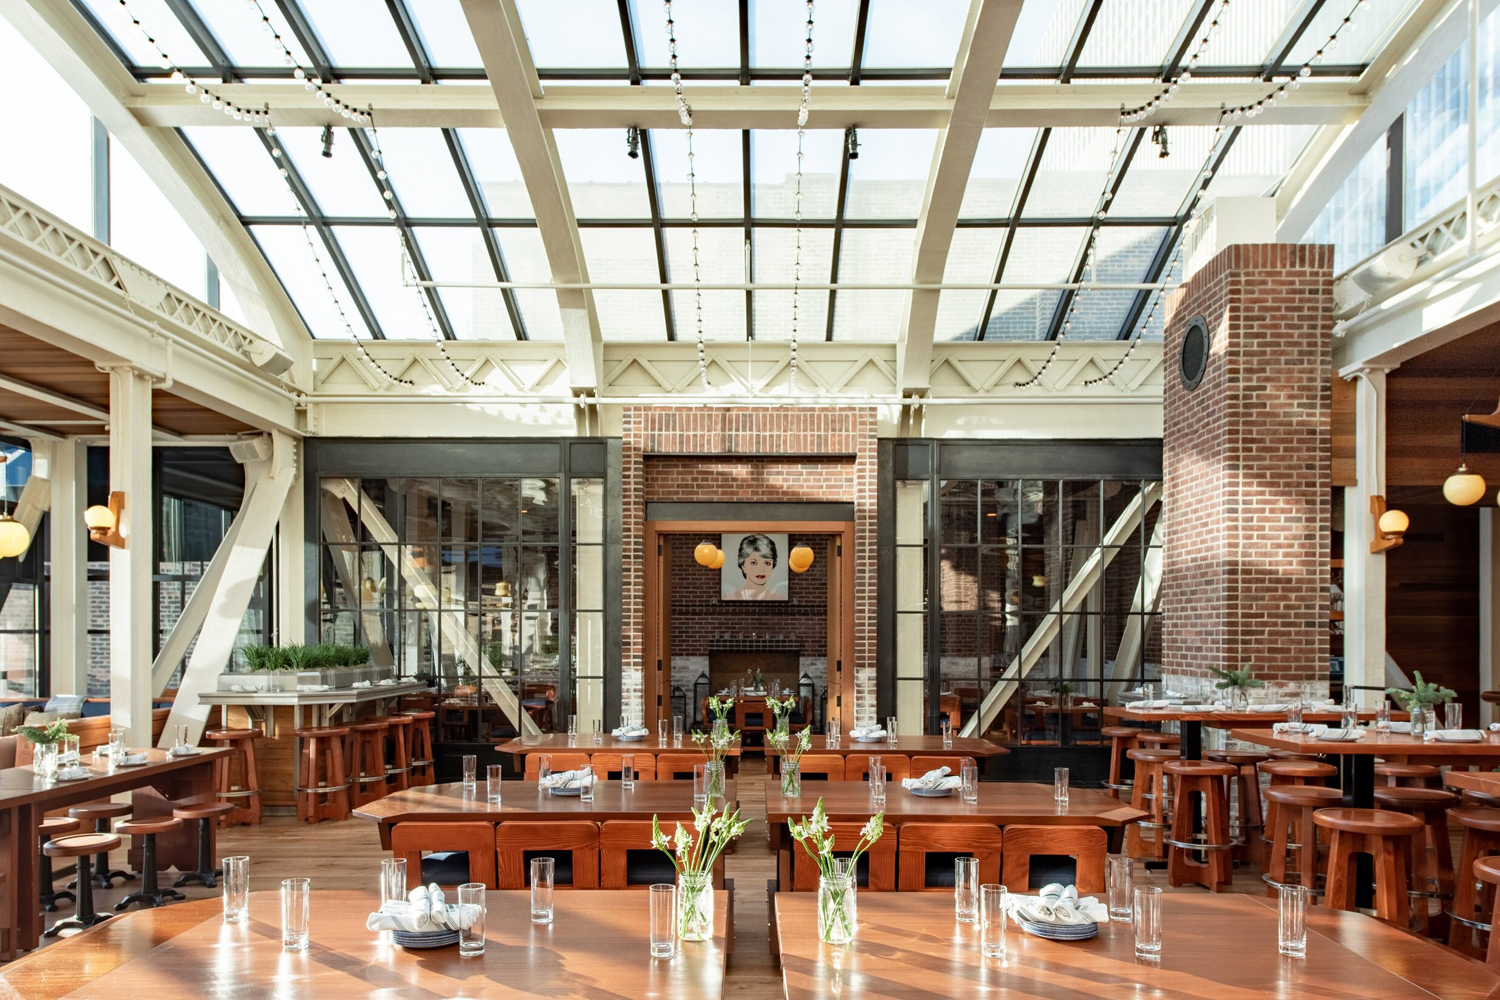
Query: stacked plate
<point x="1061" y="932"/>
<point x="425" y="939"/>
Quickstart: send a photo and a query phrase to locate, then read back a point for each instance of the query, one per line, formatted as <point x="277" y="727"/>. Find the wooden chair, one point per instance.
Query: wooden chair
<point x="857" y="766"/>
<point x="878" y="863"/>
<point x="560" y="762"/>
<point x="410" y="840"/>
<point x="618" y="838"/>
<point x="1087" y="845"/>
<point x="921" y="765"/>
<point x="243" y="794"/>
<point x="323" y="746"/>
<point x="1473" y="905"/>
<point x="1386" y="837"/>
<point x="422" y="757"/>
<point x="1291" y="808"/>
<point x="1149" y="793"/>
<point x="1487" y="871"/>
<point x="367" y="768"/>
<point x="829" y="765"/>
<point x="1431" y="847"/>
<point x="918" y="840"/>
<point x="675" y="766"/>
<point x="1200" y="782"/>
<point x="517" y="842"/>
<point x="1122" y="739"/>
<point x="609" y="766"/>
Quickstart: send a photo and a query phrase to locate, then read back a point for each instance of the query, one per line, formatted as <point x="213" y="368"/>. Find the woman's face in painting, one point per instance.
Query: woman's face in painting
<point x="757" y="569"/>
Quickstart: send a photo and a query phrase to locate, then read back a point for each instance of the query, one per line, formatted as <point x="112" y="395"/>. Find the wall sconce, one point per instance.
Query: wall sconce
<point x="104" y="522"/>
<point x="1390" y="526"/>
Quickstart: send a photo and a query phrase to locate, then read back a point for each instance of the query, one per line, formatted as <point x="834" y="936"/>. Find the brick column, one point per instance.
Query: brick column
<point x="1246" y="465"/>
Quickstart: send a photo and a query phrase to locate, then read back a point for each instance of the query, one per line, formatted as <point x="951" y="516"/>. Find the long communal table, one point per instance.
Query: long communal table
<point x="596" y="946"/>
<point x="909" y="947"/>
<point x="159" y="785"/>
<point x="524" y="746"/>
<point x="1192" y="721"/>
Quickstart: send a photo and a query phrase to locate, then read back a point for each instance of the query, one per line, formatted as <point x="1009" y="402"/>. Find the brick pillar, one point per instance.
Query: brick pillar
<point x="1246" y="465"/>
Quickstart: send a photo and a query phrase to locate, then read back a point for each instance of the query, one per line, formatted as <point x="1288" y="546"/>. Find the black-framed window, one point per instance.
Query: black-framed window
<point x="23" y="590"/>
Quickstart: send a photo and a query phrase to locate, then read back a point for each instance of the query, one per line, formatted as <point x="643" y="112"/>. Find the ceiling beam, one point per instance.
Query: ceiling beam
<point x="987" y="35"/>
<point x="496" y="26"/>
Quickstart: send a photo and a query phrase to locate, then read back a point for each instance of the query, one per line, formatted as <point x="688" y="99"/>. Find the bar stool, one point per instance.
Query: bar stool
<point x="1296" y="772"/>
<point x="1487" y="871"/>
<point x="52" y="826"/>
<point x="1431" y="873"/>
<point x="1159" y="741"/>
<point x="422" y="757"/>
<point x="248" y="788"/>
<point x="367" y="768"/>
<point x="101" y="813"/>
<point x="400" y="767"/>
<point x="323" y="744"/>
<point x="1149" y="794"/>
<point x="1288" y="808"/>
<point x="1386" y="837"/>
<point x="1292" y="755"/>
<point x="205" y="813"/>
<point x="1408" y="775"/>
<point x="80" y="846"/>
<point x="1206" y="780"/>
<point x="1473" y="905"/>
<point x="150" y="893"/>
<point x="1122" y="739"/>
<point x="1247" y="808"/>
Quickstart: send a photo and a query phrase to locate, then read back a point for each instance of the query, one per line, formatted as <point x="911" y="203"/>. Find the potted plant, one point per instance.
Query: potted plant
<point x="1239" y="684"/>
<point x="1422" y="699"/>
<point x="1064" y="690"/>
<point x="694" y="860"/>
<point x="45" y="740"/>
<point x="837" y="886"/>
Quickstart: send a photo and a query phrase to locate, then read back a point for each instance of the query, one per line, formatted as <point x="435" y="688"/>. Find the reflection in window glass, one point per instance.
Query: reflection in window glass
<point x="1043" y="256"/>
<point x="1489" y="91"/>
<point x="1437" y="141"/>
<point x="889" y="179"/>
<point x="53" y="118"/>
<point x="603" y="181"/>
<point x="145" y="227"/>
<point x="1354" y="218"/>
<point x="1123" y="254"/>
<point x="297" y="267"/>
<point x="868" y="257"/>
<point x="773" y="169"/>
<point x="773" y="253"/>
<point x="623" y="255"/>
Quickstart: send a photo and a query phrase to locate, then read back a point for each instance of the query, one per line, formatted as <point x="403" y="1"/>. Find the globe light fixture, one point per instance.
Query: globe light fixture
<point x="1464" y="487"/>
<point x="800" y="559"/>
<point x="704" y="553"/>
<point x="14" y="538"/>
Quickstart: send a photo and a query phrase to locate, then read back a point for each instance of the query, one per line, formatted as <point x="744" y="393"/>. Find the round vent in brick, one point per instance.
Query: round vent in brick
<point x="1194" y="357"/>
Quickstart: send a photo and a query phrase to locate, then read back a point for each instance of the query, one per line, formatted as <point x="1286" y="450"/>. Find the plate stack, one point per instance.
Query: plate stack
<point x="425" y="939"/>
<point x="1061" y="932"/>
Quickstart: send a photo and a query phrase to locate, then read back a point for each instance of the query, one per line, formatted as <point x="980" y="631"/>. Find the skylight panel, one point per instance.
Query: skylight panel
<point x="721" y="256"/>
<point x="1140" y="33"/>
<point x="374" y="255"/>
<point x="340" y="184"/>
<point x="913" y="33"/>
<point x="971" y="259"/>
<point x="1071" y="173"/>
<point x="580" y="34"/>
<point x="1158" y="186"/>
<point x="1259" y="159"/>
<point x="357" y="33"/>
<point x="625" y="255"/>
<point x="708" y="33"/>
<point x="1358" y="43"/>
<point x="526" y="260"/>
<point x="1122" y="254"/>
<point x="1042" y="33"/>
<point x="286" y="248"/>
<point x="157" y="19"/>
<point x="777" y="40"/>
<point x="1041" y="255"/>
<point x="889" y="179"/>
<point x="493" y="161"/>
<point x="773" y="255"/>
<point x="445" y="33"/>
<point x="1247" y="31"/>
<point x="717" y="160"/>
<point x="872" y="256"/>
<point x="999" y="165"/>
<point x="422" y="173"/>
<point x="603" y="181"/>
<point x="243" y="168"/>
<point x="458" y="254"/>
<point x="238" y="29"/>
<point x="773" y="171"/>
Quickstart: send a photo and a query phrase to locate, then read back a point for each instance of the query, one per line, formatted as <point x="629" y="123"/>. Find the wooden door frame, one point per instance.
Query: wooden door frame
<point x="656" y="695"/>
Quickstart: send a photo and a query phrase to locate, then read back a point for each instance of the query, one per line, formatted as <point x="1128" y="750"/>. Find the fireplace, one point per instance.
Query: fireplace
<point x="728" y="665"/>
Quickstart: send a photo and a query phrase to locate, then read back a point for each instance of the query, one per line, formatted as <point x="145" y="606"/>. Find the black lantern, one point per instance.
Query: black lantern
<point x="679" y="701"/>
<point x="700" y="692"/>
<point x="806" y="692"/>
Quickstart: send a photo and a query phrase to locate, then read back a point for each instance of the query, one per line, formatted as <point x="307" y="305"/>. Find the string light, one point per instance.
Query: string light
<point x="685" y="115"/>
<point x="310" y="81"/>
<point x="1282" y="92"/>
<point x="1130" y="116"/>
<point x="213" y="98"/>
<point x="802" y="109"/>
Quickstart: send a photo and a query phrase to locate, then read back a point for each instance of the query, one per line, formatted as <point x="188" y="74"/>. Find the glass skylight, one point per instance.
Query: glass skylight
<point x="889" y="179"/>
<point x="603" y="182"/>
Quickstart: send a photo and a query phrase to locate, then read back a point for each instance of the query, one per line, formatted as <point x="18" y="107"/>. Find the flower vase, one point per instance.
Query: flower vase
<point x="713" y="776"/>
<point x="791" y="779"/>
<point x="44" y="760"/>
<point x="695" y="906"/>
<point x="1418" y="722"/>
<point x="721" y="729"/>
<point x="837" y="911"/>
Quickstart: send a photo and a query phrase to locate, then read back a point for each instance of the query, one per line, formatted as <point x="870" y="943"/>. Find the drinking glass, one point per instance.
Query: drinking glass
<point x="945" y="727"/>
<point x="1349" y="717"/>
<point x="1060" y="785"/>
<point x="832" y="730"/>
<point x="572" y="728"/>
<point x="586" y="787"/>
<point x="1119" y="874"/>
<point x="992" y="921"/>
<point x="968" y="783"/>
<point x="237" y="889"/>
<point x="1291" y="938"/>
<point x="966" y="890"/>
<point x="116" y="744"/>
<point x="471" y="770"/>
<point x="676" y="730"/>
<point x="392" y="881"/>
<point x="661" y="732"/>
<point x="471" y="938"/>
<point x="598" y="732"/>
<point x="492" y="775"/>
<point x="1147" y="919"/>
<point x="877" y="787"/>
<point x="627" y="772"/>
<point x="70" y="749"/>
<point x="1453" y="716"/>
<point x="700" y="784"/>
<point x="182" y="740"/>
<point x="541" y="890"/>
<point x="890" y="730"/>
<point x="1294" y="714"/>
<point x="296" y="913"/>
<point x="663" y="920"/>
<point x="1429" y="718"/>
<point x="543" y="769"/>
<point x="1383" y="716"/>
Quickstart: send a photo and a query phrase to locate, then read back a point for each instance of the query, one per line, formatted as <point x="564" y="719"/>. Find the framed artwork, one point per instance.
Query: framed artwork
<point x="754" y="567"/>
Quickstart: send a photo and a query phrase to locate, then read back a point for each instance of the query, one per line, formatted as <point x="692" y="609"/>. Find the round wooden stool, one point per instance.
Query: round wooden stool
<point x="1473" y="905"/>
<point x="1159" y="741"/>
<point x="1246" y="810"/>
<point x="400" y="766"/>
<point x="1291" y="808"/>
<point x="1150" y="795"/>
<point x="1473" y="798"/>
<point x="205" y="813"/>
<point x="1297" y="772"/>
<point x="101" y="813"/>
<point x="1122" y="739"/>
<point x="1432" y="849"/>
<point x="367" y="767"/>
<point x="1386" y="837"/>
<point x="322" y="745"/>
<point x="151" y="894"/>
<point x="422" y="757"/>
<point x="80" y="846"/>
<point x="1200" y="783"/>
<point x="1408" y="775"/>
<point x="1292" y="755"/>
<point x="1487" y="871"/>
<point x="52" y="826"/>
<point x="244" y="795"/>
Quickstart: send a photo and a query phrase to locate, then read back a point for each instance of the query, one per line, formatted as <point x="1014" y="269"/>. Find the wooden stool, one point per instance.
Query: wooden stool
<point x="1087" y="845"/>
<point x="325" y="745"/>
<point x="206" y="874"/>
<point x="400" y="766"/>
<point x="422" y="757"/>
<point x="150" y="893"/>
<point x="1247" y="809"/>
<point x="879" y="861"/>
<point x="1149" y="794"/>
<point x="410" y="839"/>
<point x="516" y="843"/>
<point x="821" y="766"/>
<point x="619" y="839"/>
<point x="857" y="766"/>
<point x="569" y="762"/>
<point x="1122" y="739"/>
<point x="1293" y="755"/>
<point x="52" y="826"/>
<point x="1159" y="741"/>
<point x="1473" y="798"/>
<point x="248" y="788"/>
<point x="80" y="846"/>
<point x="1288" y="808"/>
<point x="1386" y="837"/>
<point x="101" y="813"/>
<point x="917" y="840"/>
<point x="1432" y="849"/>
<point x="671" y="766"/>
<point x="1487" y="871"/>
<point x="1473" y="905"/>
<point x="1206" y="780"/>
<point x="367" y="770"/>
<point x="1408" y="775"/>
<point x="1296" y="772"/>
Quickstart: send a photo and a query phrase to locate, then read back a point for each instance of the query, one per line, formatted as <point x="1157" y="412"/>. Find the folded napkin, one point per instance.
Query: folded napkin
<point x="362" y="684"/>
<point x="933" y="781"/>
<point x="1495" y="727"/>
<point x="867" y="733"/>
<point x="241" y="688"/>
<point x="183" y="751"/>
<point x="1058" y="904"/>
<point x="73" y="773"/>
<point x="1153" y="703"/>
<point x="568" y="779"/>
<point x="625" y="732"/>
<point x="1313" y="729"/>
<point x="1455" y="735"/>
<point x="388" y="682"/>
<point x="314" y="687"/>
<point x="1341" y="735"/>
<point x="1401" y="727"/>
<point x="424" y="911"/>
<point x="1277" y="707"/>
<point x="134" y="758"/>
<point x="71" y="757"/>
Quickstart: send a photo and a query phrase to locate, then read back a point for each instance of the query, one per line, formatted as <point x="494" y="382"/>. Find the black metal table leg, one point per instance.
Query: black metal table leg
<point x="1192" y="741"/>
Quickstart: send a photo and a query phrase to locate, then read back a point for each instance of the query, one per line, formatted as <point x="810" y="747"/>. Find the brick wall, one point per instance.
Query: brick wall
<point x="1246" y="463"/>
<point x="749" y="453"/>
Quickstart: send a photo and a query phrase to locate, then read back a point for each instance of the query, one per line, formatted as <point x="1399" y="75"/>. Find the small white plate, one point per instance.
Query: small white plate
<point x="574" y="790"/>
<point x="631" y="739"/>
<point x="932" y="793"/>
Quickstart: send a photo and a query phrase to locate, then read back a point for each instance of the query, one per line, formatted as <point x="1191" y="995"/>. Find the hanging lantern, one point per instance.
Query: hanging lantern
<point x="14" y="538"/>
<point x="704" y="553"/>
<point x="718" y="560"/>
<point x="1464" y="487"/>
<point x="800" y="558"/>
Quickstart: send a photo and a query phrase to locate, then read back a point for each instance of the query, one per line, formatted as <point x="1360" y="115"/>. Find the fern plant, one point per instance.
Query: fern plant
<point x="45" y="735"/>
<point x="1236" y="680"/>
<point x="1422" y="694"/>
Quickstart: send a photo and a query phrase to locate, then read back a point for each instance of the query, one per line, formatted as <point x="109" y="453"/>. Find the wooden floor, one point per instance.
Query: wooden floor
<point x="345" y="855"/>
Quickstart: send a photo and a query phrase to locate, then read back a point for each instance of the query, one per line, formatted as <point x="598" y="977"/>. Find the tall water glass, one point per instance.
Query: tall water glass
<point x="471" y="772"/>
<point x="1453" y="715"/>
<point x="543" y="769"/>
<point x="116" y="745"/>
<point x="236" y="889"/>
<point x="1294" y="714"/>
<point x="832" y="733"/>
<point x="877" y="787"/>
<point x="1060" y="785"/>
<point x="182" y="740"/>
<point x="1429" y="718"/>
<point x="1291" y="938"/>
<point x="541" y="890"/>
<point x="1349" y="717"/>
<point x="661" y="732"/>
<point x="700" y="784"/>
<point x="1147" y="919"/>
<point x="945" y="726"/>
<point x="572" y="728"/>
<point x="627" y="772"/>
<point x="70" y="749"/>
<point x="1383" y="716"/>
<point x="586" y="786"/>
<point x="1119" y="874"/>
<point x="968" y="783"/>
<point x="598" y="732"/>
<point x="663" y="920"/>
<point x="966" y="890"/>
<point x="677" y="728"/>
<point x="471" y="938"/>
<point x="392" y="881"/>
<point x="492" y="777"/>
<point x="992" y="921"/>
<point x="296" y="913"/>
<point x="890" y="730"/>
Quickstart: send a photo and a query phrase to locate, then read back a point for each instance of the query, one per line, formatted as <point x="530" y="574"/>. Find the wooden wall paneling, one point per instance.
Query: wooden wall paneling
<point x="1344" y="468"/>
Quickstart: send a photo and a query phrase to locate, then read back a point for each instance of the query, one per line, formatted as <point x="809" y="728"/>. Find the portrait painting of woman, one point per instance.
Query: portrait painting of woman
<point x="756" y="569"/>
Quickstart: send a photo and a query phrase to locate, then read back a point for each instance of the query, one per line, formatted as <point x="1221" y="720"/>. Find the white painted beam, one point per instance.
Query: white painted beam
<point x="68" y="595"/>
<point x="131" y="609"/>
<point x="36" y="495"/>
<point x="1364" y="571"/>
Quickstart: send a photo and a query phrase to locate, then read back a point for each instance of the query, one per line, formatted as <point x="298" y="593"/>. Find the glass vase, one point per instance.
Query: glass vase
<point x="1418" y="722"/>
<point x="713" y="776"/>
<point x="695" y="906"/>
<point x="721" y="729"/>
<point x="791" y="779"/>
<point x="837" y="911"/>
<point x="44" y="760"/>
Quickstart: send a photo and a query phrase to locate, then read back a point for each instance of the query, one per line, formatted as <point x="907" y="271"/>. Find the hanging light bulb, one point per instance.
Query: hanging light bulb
<point x="1464" y="487"/>
<point x="718" y="559"/>
<point x="14" y="538"/>
<point x="704" y="553"/>
<point x="800" y="559"/>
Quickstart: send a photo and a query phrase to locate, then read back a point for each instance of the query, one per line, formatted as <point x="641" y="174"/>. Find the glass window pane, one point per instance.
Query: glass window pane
<point x="357" y="32"/>
<point x="1123" y="254"/>
<point x="716" y="160"/>
<point x="996" y="174"/>
<point x="52" y="118"/>
<point x="493" y="161"/>
<point x="1071" y="173"/>
<point x="872" y="256"/>
<point x="1358" y="42"/>
<point x="891" y="41"/>
<point x="1247" y="31"/>
<point x="721" y="256"/>
<point x="422" y="174"/>
<point x="339" y="184"/>
<point x="244" y="169"/>
<point x="773" y="171"/>
<point x="958" y="575"/>
<point x="1042" y="33"/>
<point x="158" y="21"/>
<point x="374" y="255"/>
<point x="1437" y="143"/>
<point x="1158" y="185"/>
<point x="579" y="34"/>
<point x="622" y="255"/>
<point x="1036" y="255"/>
<point x="539" y="510"/>
<point x="502" y="509"/>
<point x="1354" y="218"/>
<point x="773" y="254"/>
<point x="776" y="42"/>
<point x="445" y="33"/>
<point x="460" y="510"/>
<point x="1489" y="88"/>
<point x="708" y="33"/>
<point x="1258" y="160"/>
<point x="238" y="29"/>
<point x="454" y="254"/>
<point x="286" y="247"/>
<point x="146" y="228"/>
<point x="889" y="178"/>
<point x="604" y="182"/>
<point x="1134" y="34"/>
<point x="972" y="257"/>
<point x="526" y="259"/>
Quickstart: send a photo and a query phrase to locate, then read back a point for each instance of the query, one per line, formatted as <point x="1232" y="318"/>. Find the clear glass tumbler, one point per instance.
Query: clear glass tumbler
<point x="968" y="783"/>
<point x="296" y="913"/>
<point x="1294" y="714"/>
<point x="572" y="728"/>
<point x="966" y="890"/>
<point x="116" y="746"/>
<point x="1453" y="715"/>
<point x="661" y="732"/>
<point x="1119" y="874"/>
<point x="676" y="730"/>
<point x="700" y="784"/>
<point x="890" y="730"/>
<point x="471" y="772"/>
<point x="1291" y="938"/>
<point x="627" y="772"/>
<point x="493" y="775"/>
<point x="541" y="890"/>
<point x="471" y="938"/>
<point x="236" y="889"/>
<point x="598" y="732"/>
<point x="663" y="920"/>
<point x="70" y="749"/>
<point x="1383" y="716"/>
<point x="1147" y="919"/>
<point x="392" y="881"/>
<point x="992" y="921"/>
<point x="877" y="787"/>
<point x="586" y="787"/>
<point x="832" y="733"/>
<point x="1060" y="785"/>
<point x="182" y="740"/>
<point x="543" y="769"/>
<point x="945" y="726"/>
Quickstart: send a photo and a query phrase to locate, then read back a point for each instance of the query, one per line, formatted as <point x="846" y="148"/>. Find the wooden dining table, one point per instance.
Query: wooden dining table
<point x="157" y="787"/>
<point x="1214" y="947"/>
<point x="596" y="946"/>
<point x="522" y="747"/>
<point x="1192" y="721"/>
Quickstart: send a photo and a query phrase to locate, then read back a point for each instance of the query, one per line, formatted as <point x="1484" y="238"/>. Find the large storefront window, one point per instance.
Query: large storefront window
<point x="23" y="615"/>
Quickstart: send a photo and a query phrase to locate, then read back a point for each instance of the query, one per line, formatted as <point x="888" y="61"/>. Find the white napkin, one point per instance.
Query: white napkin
<point x="71" y="757"/>
<point x="1495" y="727"/>
<point x="625" y="731"/>
<point x="134" y="758"/>
<point x="1455" y="735"/>
<point x="933" y="781"/>
<point x="568" y="779"/>
<point x="387" y="682"/>
<point x="183" y="751"/>
<point x="1155" y="703"/>
<point x="314" y="687"/>
<point x="1277" y="707"/>
<point x="1401" y="727"/>
<point x="867" y="733"/>
<point x="1312" y="729"/>
<point x="1341" y="735"/>
<point x="1058" y="904"/>
<point x="423" y="912"/>
<point x="1200" y="708"/>
<point x="362" y="684"/>
<point x="74" y="773"/>
<point x="241" y="688"/>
